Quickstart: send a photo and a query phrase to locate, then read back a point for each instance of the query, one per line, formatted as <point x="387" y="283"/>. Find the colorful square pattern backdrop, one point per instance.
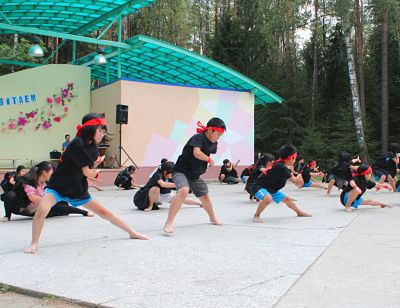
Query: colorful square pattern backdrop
<point x="163" y="117"/>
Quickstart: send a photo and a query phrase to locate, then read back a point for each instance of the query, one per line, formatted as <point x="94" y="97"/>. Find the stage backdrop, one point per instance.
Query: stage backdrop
<point x="163" y="117"/>
<point x="38" y="107"/>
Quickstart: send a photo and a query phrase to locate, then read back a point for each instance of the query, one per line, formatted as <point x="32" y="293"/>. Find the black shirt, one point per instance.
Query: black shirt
<point x="305" y="173"/>
<point x="341" y="170"/>
<point x="274" y="179"/>
<point x="361" y="182"/>
<point x="68" y="179"/>
<point x="224" y="170"/>
<point x="246" y="171"/>
<point x="190" y="165"/>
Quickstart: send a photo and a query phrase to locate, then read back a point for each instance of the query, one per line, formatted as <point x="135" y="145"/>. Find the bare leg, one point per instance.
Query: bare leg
<point x="392" y="183"/>
<point x="330" y="185"/>
<point x="96" y="207"/>
<point x="154" y="192"/>
<point x="313" y="184"/>
<point x="375" y="203"/>
<point x="351" y="197"/>
<point x="192" y="202"/>
<point x="221" y="178"/>
<point x="289" y="202"/>
<point x="299" y="181"/>
<point x="44" y="207"/>
<point x="4" y="219"/>
<point x="174" y="208"/>
<point x="261" y="207"/>
<point x="207" y="205"/>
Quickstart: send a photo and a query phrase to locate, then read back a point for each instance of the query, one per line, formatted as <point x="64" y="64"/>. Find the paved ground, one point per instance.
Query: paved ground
<point x="334" y="259"/>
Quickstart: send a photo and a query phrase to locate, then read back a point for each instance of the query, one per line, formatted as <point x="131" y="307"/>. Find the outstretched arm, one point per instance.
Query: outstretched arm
<point x="198" y="153"/>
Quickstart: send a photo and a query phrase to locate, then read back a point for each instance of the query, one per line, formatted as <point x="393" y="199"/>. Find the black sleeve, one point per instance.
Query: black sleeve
<point x="370" y="184"/>
<point x="196" y="141"/>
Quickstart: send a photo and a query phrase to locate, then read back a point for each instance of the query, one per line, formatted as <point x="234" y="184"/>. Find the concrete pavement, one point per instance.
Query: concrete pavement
<point x="241" y="264"/>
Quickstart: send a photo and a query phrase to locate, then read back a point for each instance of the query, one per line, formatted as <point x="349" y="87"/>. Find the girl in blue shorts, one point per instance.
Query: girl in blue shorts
<point x="307" y="173"/>
<point x="359" y="183"/>
<point x="268" y="184"/>
<point x="69" y="181"/>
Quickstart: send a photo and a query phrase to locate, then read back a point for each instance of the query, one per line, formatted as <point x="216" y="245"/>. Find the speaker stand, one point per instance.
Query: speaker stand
<point x="117" y="155"/>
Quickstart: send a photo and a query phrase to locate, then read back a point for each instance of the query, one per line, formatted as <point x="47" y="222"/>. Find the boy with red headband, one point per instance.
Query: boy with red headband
<point x="359" y="183"/>
<point x="69" y="181"/>
<point x="190" y="165"/>
<point x="268" y="185"/>
<point x="309" y="170"/>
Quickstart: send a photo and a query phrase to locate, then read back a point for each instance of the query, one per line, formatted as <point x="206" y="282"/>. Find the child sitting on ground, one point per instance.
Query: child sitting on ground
<point x="125" y="179"/>
<point x="385" y="169"/>
<point x="358" y="184"/>
<point x="268" y="185"/>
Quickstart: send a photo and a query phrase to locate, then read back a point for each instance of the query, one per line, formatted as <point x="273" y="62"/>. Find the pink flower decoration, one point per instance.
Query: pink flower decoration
<point x="66" y="109"/>
<point x="70" y="85"/>
<point x="11" y="126"/>
<point x="65" y="93"/>
<point x="50" y="113"/>
<point x="3" y="129"/>
<point x="58" y="100"/>
<point x="21" y="112"/>
<point x="21" y="121"/>
<point x="46" y="124"/>
<point x="20" y="129"/>
<point x="49" y="100"/>
<point x="71" y="95"/>
<point x="57" y="119"/>
<point x="31" y="115"/>
<point x="37" y="127"/>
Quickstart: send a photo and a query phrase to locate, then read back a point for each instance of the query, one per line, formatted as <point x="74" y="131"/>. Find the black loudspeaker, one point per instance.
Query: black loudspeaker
<point x="122" y="114"/>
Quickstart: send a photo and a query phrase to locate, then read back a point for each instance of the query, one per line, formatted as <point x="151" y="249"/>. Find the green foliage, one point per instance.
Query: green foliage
<point x="5" y="288"/>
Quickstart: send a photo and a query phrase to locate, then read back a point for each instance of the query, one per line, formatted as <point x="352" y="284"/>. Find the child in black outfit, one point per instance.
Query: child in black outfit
<point x="125" y="179"/>
<point x="228" y="173"/>
<point x="190" y="165"/>
<point x="358" y="184"/>
<point x="244" y="176"/>
<point x="158" y="190"/>
<point x="259" y="167"/>
<point x="268" y="185"/>
<point x="69" y="181"/>
<point x="307" y="173"/>
<point x="385" y="169"/>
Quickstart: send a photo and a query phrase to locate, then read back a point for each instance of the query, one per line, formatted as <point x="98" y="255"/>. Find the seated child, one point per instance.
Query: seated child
<point x="307" y="173"/>
<point x="268" y="185"/>
<point x="125" y="179"/>
<point x="358" y="184"/>
<point x="228" y="173"/>
<point x="10" y="179"/>
<point x="25" y="196"/>
<point x="158" y="190"/>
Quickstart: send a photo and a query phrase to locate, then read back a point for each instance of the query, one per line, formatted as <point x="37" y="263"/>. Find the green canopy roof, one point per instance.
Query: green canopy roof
<point x="154" y="60"/>
<point x="75" y="17"/>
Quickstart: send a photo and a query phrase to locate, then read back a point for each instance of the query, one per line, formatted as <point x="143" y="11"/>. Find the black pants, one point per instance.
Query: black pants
<point x="11" y="206"/>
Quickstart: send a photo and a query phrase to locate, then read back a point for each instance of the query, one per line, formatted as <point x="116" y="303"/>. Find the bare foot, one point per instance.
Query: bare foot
<point x="257" y="219"/>
<point x="348" y="209"/>
<point x="328" y="194"/>
<point x="303" y="214"/>
<point x="100" y="189"/>
<point x="5" y="219"/>
<point x="168" y="228"/>
<point x="216" y="222"/>
<point x="31" y="249"/>
<point x="148" y="209"/>
<point x="138" y="236"/>
<point x="90" y="214"/>
<point x="385" y="205"/>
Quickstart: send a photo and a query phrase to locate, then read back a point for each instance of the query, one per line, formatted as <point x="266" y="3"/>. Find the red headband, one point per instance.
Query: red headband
<point x="280" y="159"/>
<point x="201" y="128"/>
<point x="311" y="163"/>
<point x="365" y="172"/>
<point x="92" y="122"/>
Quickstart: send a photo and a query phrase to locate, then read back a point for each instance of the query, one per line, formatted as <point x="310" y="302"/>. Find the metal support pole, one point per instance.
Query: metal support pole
<point x="119" y="49"/>
<point x="73" y="52"/>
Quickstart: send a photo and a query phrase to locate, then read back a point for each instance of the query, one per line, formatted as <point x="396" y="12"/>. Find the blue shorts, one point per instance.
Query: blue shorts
<point x="243" y="178"/>
<point x="308" y="184"/>
<point x="377" y="178"/>
<point x="355" y="203"/>
<point x="72" y="202"/>
<point x="277" y="197"/>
